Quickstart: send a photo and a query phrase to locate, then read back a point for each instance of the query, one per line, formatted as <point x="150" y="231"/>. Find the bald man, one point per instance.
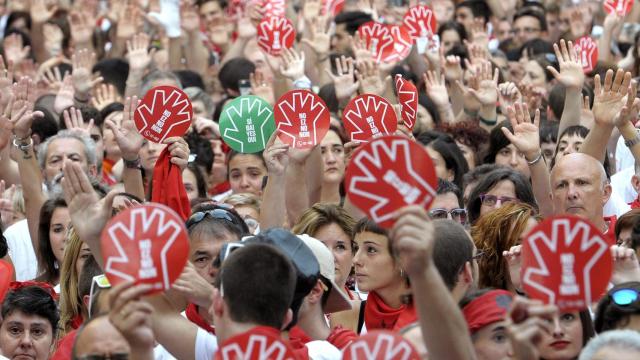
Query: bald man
<point x="579" y="186"/>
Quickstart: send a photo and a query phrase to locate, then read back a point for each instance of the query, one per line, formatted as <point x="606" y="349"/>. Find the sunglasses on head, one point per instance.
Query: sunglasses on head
<point x="458" y="214"/>
<point x="98" y="282"/>
<point x="624" y="296"/>
<point x="218" y="213"/>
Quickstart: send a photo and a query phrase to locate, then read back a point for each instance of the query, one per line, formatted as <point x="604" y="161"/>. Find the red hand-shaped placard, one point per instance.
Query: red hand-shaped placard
<point x="408" y="99"/>
<point x="378" y="39"/>
<point x="620" y="7"/>
<point x="368" y="116"/>
<point x="387" y="174"/>
<point x="146" y="244"/>
<point x="402" y="44"/>
<point x="587" y="50"/>
<point x="332" y="7"/>
<point x="380" y="345"/>
<point x="566" y="261"/>
<point x="275" y="33"/>
<point x="302" y="118"/>
<point x="420" y="21"/>
<point x="259" y="343"/>
<point x="164" y="112"/>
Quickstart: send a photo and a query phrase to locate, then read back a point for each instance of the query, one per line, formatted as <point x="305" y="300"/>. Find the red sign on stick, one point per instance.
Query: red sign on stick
<point x="620" y="7"/>
<point x="408" y="98"/>
<point x="368" y="116"/>
<point x="302" y="118"/>
<point x="257" y="344"/>
<point x="275" y="33"/>
<point x="146" y="244"/>
<point x="164" y="112"/>
<point x="389" y="173"/>
<point x="587" y="50"/>
<point x="420" y="22"/>
<point x="380" y="344"/>
<point x="566" y="261"/>
<point x="378" y="39"/>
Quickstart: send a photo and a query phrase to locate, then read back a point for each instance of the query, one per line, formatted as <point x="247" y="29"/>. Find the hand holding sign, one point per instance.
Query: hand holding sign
<point x="246" y="123"/>
<point x="408" y="99"/>
<point x="302" y="118"/>
<point x="587" y="51"/>
<point x="368" y="116"/>
<point x="275" y="33"/>
<point x="380" y="345"/>
<point x="566" y="261"/>
<point x="145" y="244"/>
<point x="164" y="112"/>
<point x="390" y="173"/>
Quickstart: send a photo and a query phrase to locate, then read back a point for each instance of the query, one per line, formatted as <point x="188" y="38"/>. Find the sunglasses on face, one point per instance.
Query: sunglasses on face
<point x="624" y="297"/>
<point x="492" y="200"/>
<point x="458" y="214"/>
<point x="116" y="356"/>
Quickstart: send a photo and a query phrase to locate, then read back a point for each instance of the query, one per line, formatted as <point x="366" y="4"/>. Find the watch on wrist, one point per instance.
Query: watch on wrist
<point x="132" y="164"/>
<point x="634" y="141"/>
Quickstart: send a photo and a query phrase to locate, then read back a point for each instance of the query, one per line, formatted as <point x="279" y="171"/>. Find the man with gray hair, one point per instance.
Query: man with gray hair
<point x="615" y="344"/>
<point x="579" y="186"/>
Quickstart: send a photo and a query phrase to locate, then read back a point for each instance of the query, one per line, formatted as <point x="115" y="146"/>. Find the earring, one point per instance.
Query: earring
<point x="401" y="273"/>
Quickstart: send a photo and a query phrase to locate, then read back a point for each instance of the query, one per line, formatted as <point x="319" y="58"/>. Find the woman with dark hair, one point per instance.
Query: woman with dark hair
<point x="503" y="152"/>
<point x="470" y="138"/>
<point x="29" y="314"/>
<point x="571" y="331"/>
<point x="497" y="188"/>
<point x="388" y="305"/>
<point x="446" y="156"/>
<point x="245" y="173"/>
<point x="451" y="33"/>
<point x="427" y="115"/>
<point x="194" y="182"/>
<point x="617" y="309"/>
<point x="52" y="233"/>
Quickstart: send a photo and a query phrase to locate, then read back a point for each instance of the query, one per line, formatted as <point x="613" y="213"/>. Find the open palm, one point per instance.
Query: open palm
<point x="525" y="136"/>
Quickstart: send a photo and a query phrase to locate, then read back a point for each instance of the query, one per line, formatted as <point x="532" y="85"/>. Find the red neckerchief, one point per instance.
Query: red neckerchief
<point x="194" y="316"/>
<point x="636" y="203"/>
<point x="64" y="349"/>
<point x="610" y="235"/>
<point x="378" y="315"/>
<point x="349" y="293"/>
<point x="341" y="337"/>
<point x="220" y="188"/>
<point x="168" y="188"/>
<point x="77" y="321"/>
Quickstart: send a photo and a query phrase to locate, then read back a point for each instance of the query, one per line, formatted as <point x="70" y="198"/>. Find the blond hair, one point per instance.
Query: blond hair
<point x="71" y="304"/>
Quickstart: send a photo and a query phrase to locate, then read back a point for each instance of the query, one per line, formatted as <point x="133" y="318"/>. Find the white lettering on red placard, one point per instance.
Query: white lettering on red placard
<point x="375" y="162"/>
<point x="375" y="111"/>
<point x="144" y="223"/>
<point x="275" y="33"/>
<point x="620" y="7"/>
<point x="156" y="110"/>
<point x="378" y="39"/>
<point x="587" y="51"/>
<point x="385" y="346"/>
<point x="258" y="347"/>
<point x="558" y="272"/>
<point x="302" y="117"/>
<point x="420" y="22"/>
<point x="408" y="99"/>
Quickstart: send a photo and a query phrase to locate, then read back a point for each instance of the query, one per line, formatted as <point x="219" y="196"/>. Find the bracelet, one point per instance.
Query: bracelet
<point x="80" y="100"/>
<point x="470" y="113"/>
<point x="24" y="139"/>
<point x="21" y="145"/>
<point x="634" y="141"/>
<point x="488" y="122"/>
<point x="132" y="164"/>
<point x="536" y="160"/>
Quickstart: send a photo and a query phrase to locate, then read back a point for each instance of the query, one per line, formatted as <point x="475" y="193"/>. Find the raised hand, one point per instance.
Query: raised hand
<point x="571" y="74"/>
<point x="479" y="35"/>
<point x="412" y="239"/>
<point x="6" y="82"/>
<point x="6" y="126"/>
<point x="629" y="113"/>
<point x="82" y="62"/>
<point x="73" y="121"/>
<point x="452" y="68"/>
<point x="508" y="95"/>
<point x="609" y="99"/>
<point x="487" y="91"/>
<point x="39" y="11"/>
<point x="81" y="25"/>
<point x="526" y="135"/>
<point x="625" y="265"/>
<point x="436" y="88"/>
<point x="344" y="83"/>
<point x="514" y="262"/>
<point x="189" y="17"/>
<point x="129" y="23"/>
<point x="292" y="66"/>
<point x="53" y="37"/>
<point x="105" y="94"/>
<point x="527" y="321"/>
<point x="360" y="50"/>
<point x="193" y="287"/>
<point x="260" y="87"/>
<point x="179" y="151"/>
<point x="132" y="316"/>
<point x="276" y="156"/>
<point x="53" y="79"/>
<point x="368" y="75"/>
<point x="64" y="97"/>
<point x="320" y="40"/>
<point x="311" y="10"/>
<point x="126" y="134"/>
<point x="577" y="24"/>
<point x="138" y="55"/>
<point x="14" y="50"/>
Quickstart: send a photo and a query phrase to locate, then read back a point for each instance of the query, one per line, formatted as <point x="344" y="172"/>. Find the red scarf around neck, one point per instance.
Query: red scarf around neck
<point x="168" y="188"/>
<point x="378" y="315"/>
<point x="194" y="316"/>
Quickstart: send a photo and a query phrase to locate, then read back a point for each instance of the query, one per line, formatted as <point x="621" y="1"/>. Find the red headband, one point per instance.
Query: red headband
<point x="15" y="285"/>
<point x="487" y="309"/>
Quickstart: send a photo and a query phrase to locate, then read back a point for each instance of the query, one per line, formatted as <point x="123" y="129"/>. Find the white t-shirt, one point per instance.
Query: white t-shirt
<point x="206" y="345"/>
<point x="323" y="350"/>
<point x="621" y="183"/>
<point x="624" y="158"/>
<point x="21" y="251"/>
<point x="615" y="205"/>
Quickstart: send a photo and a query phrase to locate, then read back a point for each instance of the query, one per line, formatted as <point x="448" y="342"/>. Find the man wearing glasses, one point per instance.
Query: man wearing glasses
<point x="448" y="203"/>
<point x="528" y="24"/>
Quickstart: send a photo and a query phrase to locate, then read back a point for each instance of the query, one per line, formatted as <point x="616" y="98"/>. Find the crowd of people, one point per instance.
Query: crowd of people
<point x="517" y="128"/>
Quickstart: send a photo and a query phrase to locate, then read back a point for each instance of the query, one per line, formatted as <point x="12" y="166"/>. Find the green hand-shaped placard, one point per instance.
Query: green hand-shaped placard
<point x="246" y="123"/>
